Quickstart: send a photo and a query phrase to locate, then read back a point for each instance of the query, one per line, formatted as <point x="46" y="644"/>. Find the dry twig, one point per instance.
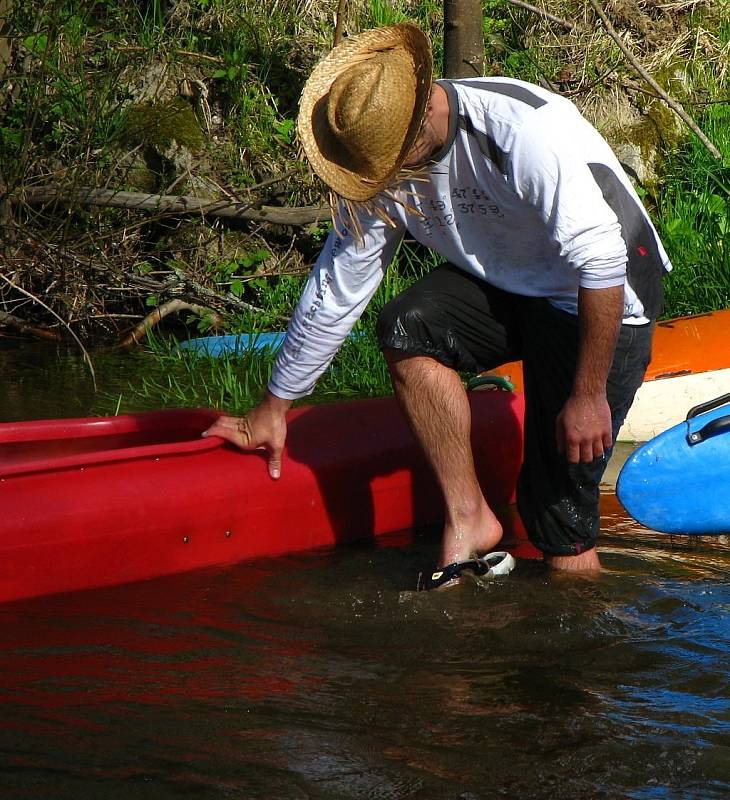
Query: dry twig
<point x="87" y="358"/>
<point x="186" y="53"/>
<point x="673" y="104"/>
<point x="569" y="26"/>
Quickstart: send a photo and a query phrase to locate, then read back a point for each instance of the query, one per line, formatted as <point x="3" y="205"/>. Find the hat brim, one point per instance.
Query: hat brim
<point x="326" y="158"/>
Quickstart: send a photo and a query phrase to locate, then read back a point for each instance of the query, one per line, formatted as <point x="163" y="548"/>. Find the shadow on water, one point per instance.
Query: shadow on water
<point x="318" y="676"/>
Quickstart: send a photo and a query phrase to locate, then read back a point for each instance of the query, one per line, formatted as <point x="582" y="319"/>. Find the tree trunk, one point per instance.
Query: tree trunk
<point x="6" y="15"/>
<point x="463" y="39"/>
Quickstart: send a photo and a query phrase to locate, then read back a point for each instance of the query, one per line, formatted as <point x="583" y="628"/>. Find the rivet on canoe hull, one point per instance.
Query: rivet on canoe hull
<point x="186" y="539"/>
<point x="229" y="534"/>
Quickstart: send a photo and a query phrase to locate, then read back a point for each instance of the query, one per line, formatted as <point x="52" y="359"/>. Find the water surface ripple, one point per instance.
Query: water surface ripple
<point x="318" y="676"/>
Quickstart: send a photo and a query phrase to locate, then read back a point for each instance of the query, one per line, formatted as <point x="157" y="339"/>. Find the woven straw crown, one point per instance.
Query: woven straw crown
<point x="362" y="107"/>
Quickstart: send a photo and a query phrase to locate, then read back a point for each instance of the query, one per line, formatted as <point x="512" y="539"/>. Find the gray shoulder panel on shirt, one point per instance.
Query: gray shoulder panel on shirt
<point x="513" y="90"/>
<point x="487" y="145"/>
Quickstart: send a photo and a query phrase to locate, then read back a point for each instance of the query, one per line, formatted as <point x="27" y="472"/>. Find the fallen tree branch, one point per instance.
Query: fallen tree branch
<point x="24" y="327"/>
<point x="203" y="291"/>
<point x="170" y="204"/>
<point x="569" y="26"/>
<point x="138" y="333"/>
<point x="673" y="104"/>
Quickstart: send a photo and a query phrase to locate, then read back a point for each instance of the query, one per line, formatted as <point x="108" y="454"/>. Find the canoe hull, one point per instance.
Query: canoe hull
<point x="98" y="502"/>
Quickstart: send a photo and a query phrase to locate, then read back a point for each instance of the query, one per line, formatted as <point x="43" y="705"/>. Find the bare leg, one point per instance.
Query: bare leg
<point x="435" y="403"/>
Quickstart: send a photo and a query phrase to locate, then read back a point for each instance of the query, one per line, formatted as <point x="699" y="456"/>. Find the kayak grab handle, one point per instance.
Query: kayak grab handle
<point x="708" y="406"/>
<point x="713" y="428"/>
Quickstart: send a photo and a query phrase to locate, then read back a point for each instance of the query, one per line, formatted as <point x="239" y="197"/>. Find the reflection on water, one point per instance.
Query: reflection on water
<point x="41" y="380"/>
<point x="319" y="676"/>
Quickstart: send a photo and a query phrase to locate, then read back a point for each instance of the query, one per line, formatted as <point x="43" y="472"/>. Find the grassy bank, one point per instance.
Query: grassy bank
<point x="693" y="217"/>
<point x="235" y="382"/>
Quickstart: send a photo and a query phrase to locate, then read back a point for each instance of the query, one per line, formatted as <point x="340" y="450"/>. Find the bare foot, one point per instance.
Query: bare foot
<point x="584" y="563"/>
<point x="469" y="534"/>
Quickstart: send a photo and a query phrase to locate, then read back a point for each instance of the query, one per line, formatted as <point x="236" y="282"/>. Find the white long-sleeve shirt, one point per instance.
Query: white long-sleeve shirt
<point x="525" y="194"/>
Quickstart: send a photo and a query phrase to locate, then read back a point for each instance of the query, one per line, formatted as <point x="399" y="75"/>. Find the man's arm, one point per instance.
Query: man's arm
<point x="343" y="281"/>
<point x="551" y="174"/>
<point x="583" y="427"/>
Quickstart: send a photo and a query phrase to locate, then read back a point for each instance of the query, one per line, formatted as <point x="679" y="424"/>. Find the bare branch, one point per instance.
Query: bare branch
<point x="170" y="204"/>
<point x="139" y="331"/>
<point x="569" y="26"/>
<point x="673" y="104"/>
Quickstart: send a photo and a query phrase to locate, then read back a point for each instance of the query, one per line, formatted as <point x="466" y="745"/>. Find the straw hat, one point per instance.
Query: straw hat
<point x="362" y="107"/>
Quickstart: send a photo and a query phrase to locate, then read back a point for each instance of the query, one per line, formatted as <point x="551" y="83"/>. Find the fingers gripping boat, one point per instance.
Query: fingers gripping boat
<point x="102" y="501"/>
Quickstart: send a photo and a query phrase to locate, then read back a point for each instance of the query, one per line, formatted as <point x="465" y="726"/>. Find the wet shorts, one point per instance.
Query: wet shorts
<point x="471" y="326"/>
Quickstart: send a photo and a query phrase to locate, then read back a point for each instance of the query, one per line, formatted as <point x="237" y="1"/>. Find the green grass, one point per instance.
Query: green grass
<point x="236" y="383"/>
<point x="694" y="221"/>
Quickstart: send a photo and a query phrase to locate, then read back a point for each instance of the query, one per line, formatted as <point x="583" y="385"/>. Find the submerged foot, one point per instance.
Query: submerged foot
<point x="587" y="564"/>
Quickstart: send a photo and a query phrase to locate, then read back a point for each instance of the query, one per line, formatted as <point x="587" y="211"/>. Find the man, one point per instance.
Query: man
<point x="550" y="258"/>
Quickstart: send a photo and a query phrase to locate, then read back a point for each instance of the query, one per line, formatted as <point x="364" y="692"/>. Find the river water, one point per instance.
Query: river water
<point x="321" y="675"/>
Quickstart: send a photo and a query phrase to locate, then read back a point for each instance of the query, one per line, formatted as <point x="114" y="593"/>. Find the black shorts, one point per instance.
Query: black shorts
<point x="471" y="326"/>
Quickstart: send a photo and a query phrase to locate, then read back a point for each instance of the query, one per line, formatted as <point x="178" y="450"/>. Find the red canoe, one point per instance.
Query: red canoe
<point x="103" y="501"/>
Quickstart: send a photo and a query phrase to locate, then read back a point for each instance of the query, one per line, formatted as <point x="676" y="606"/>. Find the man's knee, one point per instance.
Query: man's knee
<point x="415" y="326"/>
<point x="404" y="325"/>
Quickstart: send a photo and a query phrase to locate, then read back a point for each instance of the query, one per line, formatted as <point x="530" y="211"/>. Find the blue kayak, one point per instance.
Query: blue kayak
<point x="679" y="482"/>
<point x="237" y="343"/>
<point x="233" y="344"/>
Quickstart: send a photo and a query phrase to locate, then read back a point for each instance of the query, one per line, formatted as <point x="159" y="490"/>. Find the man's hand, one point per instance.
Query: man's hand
<point x="583" y="428"/>
<point x="263" y="428"/>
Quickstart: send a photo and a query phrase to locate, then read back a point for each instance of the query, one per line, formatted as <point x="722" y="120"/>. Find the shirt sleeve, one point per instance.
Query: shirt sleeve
<point x="343" y="280"/>
<point x="550" y="174"/>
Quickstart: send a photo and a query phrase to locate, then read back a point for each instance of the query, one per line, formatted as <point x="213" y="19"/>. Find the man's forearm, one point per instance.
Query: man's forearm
<point x="599" y="318"/>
